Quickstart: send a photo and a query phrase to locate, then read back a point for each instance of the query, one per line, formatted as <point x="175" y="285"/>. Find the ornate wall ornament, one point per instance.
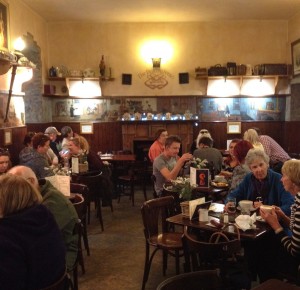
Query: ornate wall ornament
<point x="156" y="78"/>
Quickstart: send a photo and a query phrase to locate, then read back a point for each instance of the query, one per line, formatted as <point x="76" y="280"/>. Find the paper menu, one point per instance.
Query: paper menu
<point x="62" y="183"/>
<point x="193" y="204"/>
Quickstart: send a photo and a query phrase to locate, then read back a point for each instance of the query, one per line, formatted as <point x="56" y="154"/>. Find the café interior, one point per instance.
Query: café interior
<point x="116" y="72"/>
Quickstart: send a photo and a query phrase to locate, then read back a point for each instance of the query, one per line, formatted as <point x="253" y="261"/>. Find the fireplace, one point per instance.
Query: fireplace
<point x="141" y="148"/>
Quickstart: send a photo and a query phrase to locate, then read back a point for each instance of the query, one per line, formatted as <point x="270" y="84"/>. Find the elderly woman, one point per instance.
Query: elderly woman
<point x="79" y="145"/>
<point x="5" y="163"/>
<point x="289" y="258"/>
<point x="32" y="252"/>
<point x="262" y="185"/>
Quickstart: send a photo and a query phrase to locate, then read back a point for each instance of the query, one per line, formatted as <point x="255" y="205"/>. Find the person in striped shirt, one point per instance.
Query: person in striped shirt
<point x="289" y="257"/>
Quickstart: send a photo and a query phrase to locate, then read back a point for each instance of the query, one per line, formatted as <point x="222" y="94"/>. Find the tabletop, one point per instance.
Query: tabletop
<point x="273" y="284"/>
<point x="252" y="234"/>
<point x="117" y="157"/>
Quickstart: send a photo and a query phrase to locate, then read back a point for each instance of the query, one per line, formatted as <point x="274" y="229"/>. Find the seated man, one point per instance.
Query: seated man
<point x="62" y="209"/>
<point x="168" y="164"/>
<point x="212" y="155"/>
<point x="158" y="145"/>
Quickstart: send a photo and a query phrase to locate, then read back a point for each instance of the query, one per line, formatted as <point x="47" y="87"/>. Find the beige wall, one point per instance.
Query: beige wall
<point x="80" y="46"/>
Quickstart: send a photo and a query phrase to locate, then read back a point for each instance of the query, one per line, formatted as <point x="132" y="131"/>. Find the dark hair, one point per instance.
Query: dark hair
<point x="65" y="131"/>
<point x="158" y="132"/>
<point x="39" y="139"/>
<point x="28" y="138"/>
<point x="172" y="139"/>
<point x="4" y="152"/>
<point x="206" y="141"/>
<point x="241" y="149"/>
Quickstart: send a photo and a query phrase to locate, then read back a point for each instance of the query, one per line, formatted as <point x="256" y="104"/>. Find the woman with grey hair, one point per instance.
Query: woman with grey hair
<point x="262" y="185"/>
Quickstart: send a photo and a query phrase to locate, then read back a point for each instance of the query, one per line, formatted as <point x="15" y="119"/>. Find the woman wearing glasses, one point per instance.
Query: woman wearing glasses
<point x="5" y="163"/>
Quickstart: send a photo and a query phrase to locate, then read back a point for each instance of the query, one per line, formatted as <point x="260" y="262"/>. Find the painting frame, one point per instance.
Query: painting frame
<point x="4" y="26"/>
<point x="234" y="127"/>
<point x="7" y="137"/>
<point x="295" y="50"/>
<point x="86" y="128"/>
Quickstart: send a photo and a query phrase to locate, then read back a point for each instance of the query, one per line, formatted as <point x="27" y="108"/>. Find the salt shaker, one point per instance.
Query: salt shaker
<point x="226" y="220"/>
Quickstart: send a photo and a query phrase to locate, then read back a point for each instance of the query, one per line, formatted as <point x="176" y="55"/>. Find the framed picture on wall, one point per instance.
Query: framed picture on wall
<point x="7" y="137"/>
<point x="86" y="128"/>
<point x="4" y="25"/>
<point x="296" y="57"/>
<point x="234" y="127"/>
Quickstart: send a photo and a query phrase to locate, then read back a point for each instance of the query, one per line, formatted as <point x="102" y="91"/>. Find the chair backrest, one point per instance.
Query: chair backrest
<point x="80" y="206"/>
<point x="154" y="214"/>
<point x="197" y="253"/>
<point x="92" y="181"/>
<point x="62" y="284"/>
<point x="204" y="280"/>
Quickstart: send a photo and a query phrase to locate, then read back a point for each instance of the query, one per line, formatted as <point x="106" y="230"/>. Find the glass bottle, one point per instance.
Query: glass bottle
<point x="102" y="66"/>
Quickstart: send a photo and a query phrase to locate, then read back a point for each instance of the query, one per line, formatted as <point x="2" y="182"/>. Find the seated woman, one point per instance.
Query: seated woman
<point x="230" y="161"/>
<point x="32" y="252"/>
<point x="262" y="184"/>
<point x="288" y="259"/>
<point x="67" y="135"/>
<point x="240" y="171"/>
<point x="5" y="163"/>
<point x="79" y="145"/>
<point x="158" y="146"/>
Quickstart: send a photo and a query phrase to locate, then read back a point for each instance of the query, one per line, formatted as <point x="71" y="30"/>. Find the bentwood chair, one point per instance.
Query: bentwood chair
<point x="204" y="280"/>
<point x="157" y="234"/>
<point x="81" y="209"/>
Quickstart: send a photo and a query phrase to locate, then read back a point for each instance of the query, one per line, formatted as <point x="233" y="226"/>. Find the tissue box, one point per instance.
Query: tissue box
<point x="200" y="177"/>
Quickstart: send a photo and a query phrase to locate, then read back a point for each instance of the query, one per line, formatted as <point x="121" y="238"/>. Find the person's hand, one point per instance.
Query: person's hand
<point x="257" y="204"/>
<point x="280" y="214"/>
<point x="270" y="218"/>
<point x="186" y="157"/>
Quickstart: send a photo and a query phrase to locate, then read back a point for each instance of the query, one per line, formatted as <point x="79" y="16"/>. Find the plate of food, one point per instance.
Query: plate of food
<point x="219" y="184"/>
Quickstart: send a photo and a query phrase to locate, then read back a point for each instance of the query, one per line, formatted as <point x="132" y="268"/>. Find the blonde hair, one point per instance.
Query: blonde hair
<point x="81" y="142"/>
<point x="16" y="193"/>
<point x="291" y="169"/>
<point x="251" y="136"/>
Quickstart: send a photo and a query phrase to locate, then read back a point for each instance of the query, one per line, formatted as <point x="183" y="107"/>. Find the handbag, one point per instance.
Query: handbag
<point x="217" y="70"/>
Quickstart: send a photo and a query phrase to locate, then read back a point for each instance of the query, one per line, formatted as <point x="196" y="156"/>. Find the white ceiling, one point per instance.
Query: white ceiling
<point x="163" y="10"/>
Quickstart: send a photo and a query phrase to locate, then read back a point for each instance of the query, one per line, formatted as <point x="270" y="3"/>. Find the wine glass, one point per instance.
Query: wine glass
<point x="231" y="205"/>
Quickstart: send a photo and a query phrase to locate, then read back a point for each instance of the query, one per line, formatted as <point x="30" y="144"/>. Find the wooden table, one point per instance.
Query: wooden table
<point x="274" y="284"/>
<point x="117" y="158"/>
<point x="261" y="227"/>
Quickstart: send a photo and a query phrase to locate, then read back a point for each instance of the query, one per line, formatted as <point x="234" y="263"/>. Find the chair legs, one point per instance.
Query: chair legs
<point x="99" y="211"/>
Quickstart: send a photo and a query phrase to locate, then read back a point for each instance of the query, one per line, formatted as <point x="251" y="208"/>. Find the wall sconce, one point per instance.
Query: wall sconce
<point x="156" y="62"/>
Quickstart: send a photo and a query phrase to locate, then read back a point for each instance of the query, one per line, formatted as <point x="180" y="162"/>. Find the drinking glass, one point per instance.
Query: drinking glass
<point x="231" y="208"/>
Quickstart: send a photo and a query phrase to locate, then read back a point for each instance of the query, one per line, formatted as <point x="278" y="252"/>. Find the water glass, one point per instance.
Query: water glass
<point x="231" y="205"/>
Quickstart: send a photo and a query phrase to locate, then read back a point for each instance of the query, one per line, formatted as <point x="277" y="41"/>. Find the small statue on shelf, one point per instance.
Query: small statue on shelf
<point x="102" y="67"/>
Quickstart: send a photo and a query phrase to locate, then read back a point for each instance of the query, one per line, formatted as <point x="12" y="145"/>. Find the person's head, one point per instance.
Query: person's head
<point x="251" y="136"/>
<point x="16" y="194"/>
<point x="258" y="162"/>
<point x="41" y="142"/>
<point x="4" y="160"/>
<point x="202" y="133"/>
<point x="161" y="135"/>
<point x="257" y="130"/>
<point x="291" y="176"/>
<point x="52" y="132"/>
<point x="172" y="145"/>
<point x="232" y="145"/>
<point x="66" y="132"/>
<point x="78" y="144"/>
<point x="28" y="139"/>
<point x="26" y="173"/>
<point x="241" y="149"/>
<point x="205" y="142"/>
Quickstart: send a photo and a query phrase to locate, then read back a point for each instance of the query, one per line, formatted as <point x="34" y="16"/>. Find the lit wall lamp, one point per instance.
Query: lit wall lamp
<point x="20" y="61"/>
<point x="156" y="62"/>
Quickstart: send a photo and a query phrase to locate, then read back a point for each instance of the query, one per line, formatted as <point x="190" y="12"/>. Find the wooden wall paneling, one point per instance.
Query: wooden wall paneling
<point x="291" y="136"/>
<point x="18" y="134"/>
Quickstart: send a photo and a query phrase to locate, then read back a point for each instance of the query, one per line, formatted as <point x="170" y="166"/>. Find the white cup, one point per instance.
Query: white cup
<point x="220" y="178"/>
<point x="203" y="215"/>
<point x="246" y="206"/>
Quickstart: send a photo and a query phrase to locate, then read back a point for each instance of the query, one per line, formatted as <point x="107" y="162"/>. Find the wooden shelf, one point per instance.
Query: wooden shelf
<point x="56" y="96"/>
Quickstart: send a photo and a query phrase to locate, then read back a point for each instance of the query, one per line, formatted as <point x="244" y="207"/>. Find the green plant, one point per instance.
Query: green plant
<point x="184" y="187"/>
<point x="198" y="163"/>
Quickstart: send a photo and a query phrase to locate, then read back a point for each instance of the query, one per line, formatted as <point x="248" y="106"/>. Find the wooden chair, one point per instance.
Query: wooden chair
<point x="204" y="280"/>
<point x="157" y="234"/>
<point x="63" y="283"/>
<point x="93" y="182"/>
<point x="81" y="209"/>
<point x="136" y="174"/>
<point x="218" y="252"/>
